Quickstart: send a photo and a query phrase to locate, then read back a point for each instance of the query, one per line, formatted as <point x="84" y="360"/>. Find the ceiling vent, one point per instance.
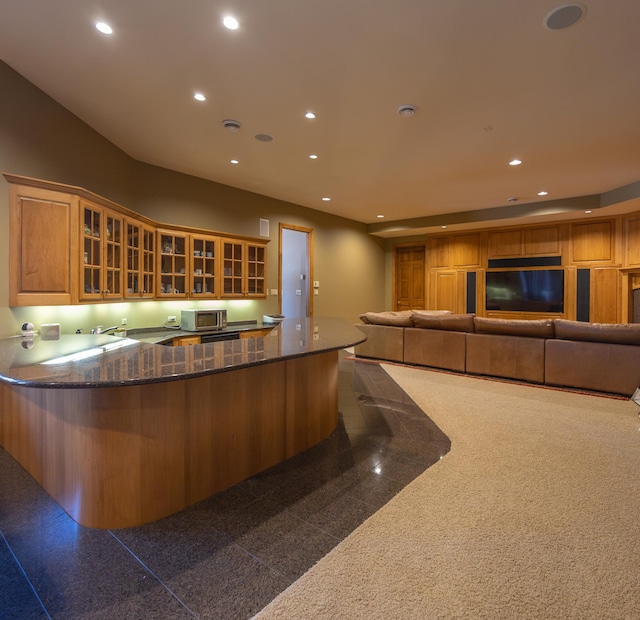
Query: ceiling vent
<point x="231" y="125"/>
<point x="407" y="110"/>
<point x="564" y="16"/>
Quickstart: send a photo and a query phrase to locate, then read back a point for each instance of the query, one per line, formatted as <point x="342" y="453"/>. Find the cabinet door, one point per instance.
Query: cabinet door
<point x="112" y="273"/>
<point x="173" y="249"/>
<point x="232" y="268"/>
<point x="140" y="263"/>
<point x="42" y="238"/>
<point x="256" y="270"/>
<point x="101" y="267"/>
<point x="204" y="267"/>
<point x="91" y="242"/>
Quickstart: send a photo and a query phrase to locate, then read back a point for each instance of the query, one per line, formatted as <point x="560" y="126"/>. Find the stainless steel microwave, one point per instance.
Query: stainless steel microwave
<point x="202" y="320"/>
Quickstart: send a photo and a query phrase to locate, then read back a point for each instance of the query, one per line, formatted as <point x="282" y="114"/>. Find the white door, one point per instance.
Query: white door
<point x="295" y="272"/>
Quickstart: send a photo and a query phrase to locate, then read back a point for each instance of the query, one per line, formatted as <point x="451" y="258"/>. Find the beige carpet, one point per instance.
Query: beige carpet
<point x="535" y="513"/>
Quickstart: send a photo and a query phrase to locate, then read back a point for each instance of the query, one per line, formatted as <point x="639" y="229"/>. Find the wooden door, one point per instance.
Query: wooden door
<point x="409" y="264"/>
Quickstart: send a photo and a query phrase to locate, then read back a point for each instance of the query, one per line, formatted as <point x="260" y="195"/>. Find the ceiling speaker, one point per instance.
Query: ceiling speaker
<point x="564" y="16"/>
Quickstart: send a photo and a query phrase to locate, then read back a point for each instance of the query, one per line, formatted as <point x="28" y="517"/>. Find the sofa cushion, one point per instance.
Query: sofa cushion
<point x="539" y="328"/>
<point x="396" y="319"/>
<point x="613" y="333"/>
<point x="429" y="313"/>
<point x="450" y="322"/>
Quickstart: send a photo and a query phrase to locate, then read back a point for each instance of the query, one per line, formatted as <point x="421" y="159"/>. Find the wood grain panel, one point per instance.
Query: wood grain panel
<point x="40" y="242"/>
<point x="592" y="242"/>
<point x="122" y="456"/>
<point x="604" y="307"/>
<point x="633" y="242"/>
<point x="445" y="291"/>
<point x="465" y="250"/>
<point x="312" y="400"/>
<point x="504" y="243"/>
<point x="45" y="247"/>
<point x="438" y="253"/>
<point x="542" y="241"/>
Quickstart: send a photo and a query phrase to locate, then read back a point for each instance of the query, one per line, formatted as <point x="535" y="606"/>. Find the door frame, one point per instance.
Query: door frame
<point x="309" y="232"/>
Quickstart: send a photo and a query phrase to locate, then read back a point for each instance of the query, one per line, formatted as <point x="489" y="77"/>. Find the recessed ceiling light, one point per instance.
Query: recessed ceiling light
<point x="231" y="22"/>
<point x="234" y="161"/>
<point x="515" y="162"/>
<point x="263" y="137"/>
<point x="542" y="193"/>
<point x="313" y="157"/>
<point x="104" y="28"/>
<point x="588" y="211"/>
<point x="199" y="97"/>
<point x="512" y="199"/>
<point x="326" y="199"/>
<point x="310" y="115"/>
<point x="379" y="216"/>
<point x="443" y="227"/>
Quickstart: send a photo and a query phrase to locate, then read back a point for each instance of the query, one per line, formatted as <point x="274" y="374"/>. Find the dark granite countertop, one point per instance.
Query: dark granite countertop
<point x="82" y="360"/>
<point x="158" y="335"/>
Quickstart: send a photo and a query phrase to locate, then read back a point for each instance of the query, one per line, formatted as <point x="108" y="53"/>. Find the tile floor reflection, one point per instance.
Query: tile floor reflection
<point x="231" y="554"/>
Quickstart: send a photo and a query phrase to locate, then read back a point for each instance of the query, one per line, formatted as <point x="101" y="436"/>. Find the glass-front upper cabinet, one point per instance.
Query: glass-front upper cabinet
<point x="102" y="243"/>
<point x="256" y="270"/>
<point x="232" y="262"/>
<point x="173" y="264"/>
<point x="243" y="269"/>
<point x="204" y="266"/>
<point x="140" y="260"/>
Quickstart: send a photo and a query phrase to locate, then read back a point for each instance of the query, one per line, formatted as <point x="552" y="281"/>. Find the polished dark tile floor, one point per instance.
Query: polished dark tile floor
<point x="230" y="555"/>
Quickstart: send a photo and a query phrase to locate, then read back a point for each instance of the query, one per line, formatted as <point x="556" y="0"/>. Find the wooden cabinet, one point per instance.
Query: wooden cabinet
<point x="140" y="260"/>
<point x="187" y="265"/>
<point x="204" y="267"/>
<point x="68" y="245"/>
<point x="43" y="227"/>
<point x="256" y="333"/>
<point x="185" y="341"/>
<point x="172" y="264"/>
<point x="243" y="269"/>
<point x="101" y="239"/>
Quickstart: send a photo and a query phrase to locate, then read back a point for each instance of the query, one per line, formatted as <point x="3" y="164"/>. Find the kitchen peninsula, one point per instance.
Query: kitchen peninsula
<point x="122" y="432"/>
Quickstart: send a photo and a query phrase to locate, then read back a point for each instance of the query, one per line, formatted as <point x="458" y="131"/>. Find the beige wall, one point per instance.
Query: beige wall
<point x="40" y="138"/>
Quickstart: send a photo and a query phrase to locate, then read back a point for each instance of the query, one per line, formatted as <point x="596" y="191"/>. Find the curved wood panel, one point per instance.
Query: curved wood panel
<point x="123" y="456"/>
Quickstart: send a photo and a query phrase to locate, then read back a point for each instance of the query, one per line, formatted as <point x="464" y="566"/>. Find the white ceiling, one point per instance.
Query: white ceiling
<point x="490" y="83"/>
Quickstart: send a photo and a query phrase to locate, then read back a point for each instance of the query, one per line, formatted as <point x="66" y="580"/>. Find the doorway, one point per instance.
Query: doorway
<point x="295" y="271"/>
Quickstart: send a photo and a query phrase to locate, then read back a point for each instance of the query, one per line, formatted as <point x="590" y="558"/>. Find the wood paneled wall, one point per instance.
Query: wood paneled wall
<point x="608" y="247"/>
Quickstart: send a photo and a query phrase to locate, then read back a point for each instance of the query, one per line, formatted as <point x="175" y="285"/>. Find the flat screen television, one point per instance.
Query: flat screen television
<point x="539" y="290"/>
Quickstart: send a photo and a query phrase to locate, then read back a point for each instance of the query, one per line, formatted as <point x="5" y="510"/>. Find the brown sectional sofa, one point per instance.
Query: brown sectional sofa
<point x="592" y="356"/>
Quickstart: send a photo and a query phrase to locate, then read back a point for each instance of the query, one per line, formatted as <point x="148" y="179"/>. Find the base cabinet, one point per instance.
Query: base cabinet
<point x="122" y="456"/>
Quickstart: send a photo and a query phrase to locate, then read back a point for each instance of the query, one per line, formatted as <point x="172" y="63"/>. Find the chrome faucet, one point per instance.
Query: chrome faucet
<point x="100" y="330"/>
